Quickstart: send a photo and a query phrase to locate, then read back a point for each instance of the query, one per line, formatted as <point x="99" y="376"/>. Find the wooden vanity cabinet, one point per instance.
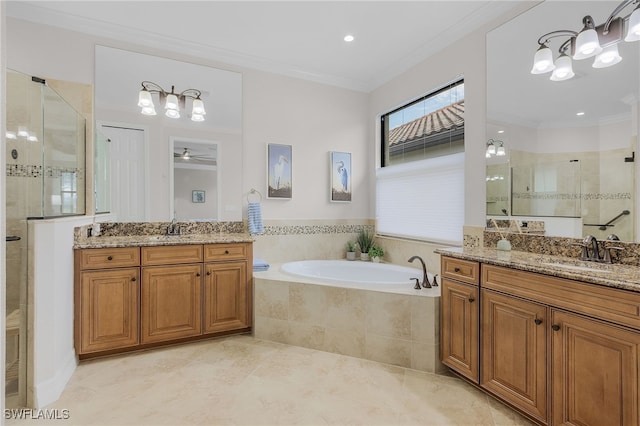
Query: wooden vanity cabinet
<point x="170" y="295"/>
<point x="136" y="297"/>
<point x="106" y="299"/>
<point x="514" y="351"/>
<point x="227" y="288"/>
<point x="594" y="372"/>
<point x="459" y="327"/>
<point x="561" y="351"/>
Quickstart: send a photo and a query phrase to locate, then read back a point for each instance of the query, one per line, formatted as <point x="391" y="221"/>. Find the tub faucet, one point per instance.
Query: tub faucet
<point x="425" y="277"/>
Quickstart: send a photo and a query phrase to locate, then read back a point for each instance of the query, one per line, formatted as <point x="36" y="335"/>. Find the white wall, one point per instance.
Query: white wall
<point x="54" y="358"/>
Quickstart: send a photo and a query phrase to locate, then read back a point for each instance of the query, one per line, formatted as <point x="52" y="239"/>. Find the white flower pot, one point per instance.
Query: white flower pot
<point x="351" y="255"/>
<point x="375" y="259"/>
<point x="364" y="256"/>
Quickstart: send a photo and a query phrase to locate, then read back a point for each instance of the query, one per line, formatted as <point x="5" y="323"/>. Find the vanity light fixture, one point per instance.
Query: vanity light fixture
<point x="173" y="102"/>
<point x="495" y="147"/>
<point x="600" y="41"/>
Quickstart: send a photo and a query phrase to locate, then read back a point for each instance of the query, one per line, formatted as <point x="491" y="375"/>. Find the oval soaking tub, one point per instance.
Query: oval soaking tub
<point x="355" y="273"/>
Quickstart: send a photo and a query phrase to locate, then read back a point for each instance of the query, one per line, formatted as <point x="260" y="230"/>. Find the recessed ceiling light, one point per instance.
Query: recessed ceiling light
<point x="348" y="38"/>
<point x="580" y="113"/>
<point x="500" y="131"/>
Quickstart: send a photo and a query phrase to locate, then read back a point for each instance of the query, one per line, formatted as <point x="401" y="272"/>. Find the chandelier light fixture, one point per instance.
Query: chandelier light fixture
<point x="600" y="41"/>
<point x="495" y="147"/>
<point x="173" y="102"/>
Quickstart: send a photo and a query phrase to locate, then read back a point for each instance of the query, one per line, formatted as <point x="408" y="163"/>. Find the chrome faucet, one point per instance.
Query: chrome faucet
<point x="425" y="277"/>
<point x="173" y="228"/>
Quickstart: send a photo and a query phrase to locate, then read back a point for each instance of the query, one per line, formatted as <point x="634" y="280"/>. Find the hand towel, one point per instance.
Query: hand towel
<point x="254" y="218"/>
<point x="260" y="265"/>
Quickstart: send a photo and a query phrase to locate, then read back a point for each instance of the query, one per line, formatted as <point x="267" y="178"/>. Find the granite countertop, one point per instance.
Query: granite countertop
<point x="160" y="240"/>
<point x="626" y="277"/>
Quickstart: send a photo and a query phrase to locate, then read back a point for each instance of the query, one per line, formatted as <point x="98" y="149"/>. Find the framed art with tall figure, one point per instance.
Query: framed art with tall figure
<point x="279" y="176"/>
<point x="340" y="176"/>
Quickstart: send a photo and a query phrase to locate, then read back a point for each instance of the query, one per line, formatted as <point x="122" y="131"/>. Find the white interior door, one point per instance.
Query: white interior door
<point x="127" y="172"/>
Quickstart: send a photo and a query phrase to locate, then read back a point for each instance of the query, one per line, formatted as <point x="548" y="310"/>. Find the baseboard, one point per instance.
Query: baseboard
<point x="50" y="390"/>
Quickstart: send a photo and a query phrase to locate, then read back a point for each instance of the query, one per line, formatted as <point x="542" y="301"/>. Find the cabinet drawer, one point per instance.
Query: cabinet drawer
<point x="109" y="258"/>
<point x="214" y="252"/>
<point x="607" y="303"/>
<point x="461" y="270"/>
<point x="171" y="255"/>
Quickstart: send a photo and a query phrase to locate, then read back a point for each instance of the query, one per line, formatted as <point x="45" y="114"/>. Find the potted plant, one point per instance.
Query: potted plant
<point x="365" y="241"/>
<point x="376" y="253"/>
<point x="351" y="250"/>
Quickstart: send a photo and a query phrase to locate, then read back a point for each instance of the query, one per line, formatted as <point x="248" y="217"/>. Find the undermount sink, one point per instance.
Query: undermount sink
<point x="576" y="267"/>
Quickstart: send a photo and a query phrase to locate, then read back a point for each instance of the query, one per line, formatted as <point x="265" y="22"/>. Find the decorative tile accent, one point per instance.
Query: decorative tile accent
<point x="314" y="229"/>
<point x="32" y="170"/>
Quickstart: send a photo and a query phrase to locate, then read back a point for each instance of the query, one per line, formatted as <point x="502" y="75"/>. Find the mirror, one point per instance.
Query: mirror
<point x="569" y="145"/>
<point x="119" y="76"/>
<point x="195" y="177"/>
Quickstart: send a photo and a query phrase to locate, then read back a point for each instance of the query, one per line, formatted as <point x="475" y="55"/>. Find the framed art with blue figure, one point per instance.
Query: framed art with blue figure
<point x="340" y="176"/>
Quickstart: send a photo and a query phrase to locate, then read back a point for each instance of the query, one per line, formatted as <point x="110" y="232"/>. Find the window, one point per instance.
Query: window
<point x="68" y="192"/>
<point x="420" y="186"/>
<point x="429" y="127"/>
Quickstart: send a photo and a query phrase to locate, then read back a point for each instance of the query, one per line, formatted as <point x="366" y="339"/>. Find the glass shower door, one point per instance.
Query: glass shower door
<point x="45" y="178"/>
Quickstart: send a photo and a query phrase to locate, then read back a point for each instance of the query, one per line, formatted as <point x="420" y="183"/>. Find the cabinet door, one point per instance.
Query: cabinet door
<point x="170" y="302"/>
<point x="225" y="297"/>
<point x="108" y="309"/>
<point x="595" y="372"/>
<point x="459" y="328"/>
<point x="513" y="352"/>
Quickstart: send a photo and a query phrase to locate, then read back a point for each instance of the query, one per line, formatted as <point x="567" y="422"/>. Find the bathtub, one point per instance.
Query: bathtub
<point x="360" y="309"/>
<point x="357" y="274"/>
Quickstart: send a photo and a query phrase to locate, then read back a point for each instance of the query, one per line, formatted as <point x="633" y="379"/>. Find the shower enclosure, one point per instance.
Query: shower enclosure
<point x="45" y="178"/>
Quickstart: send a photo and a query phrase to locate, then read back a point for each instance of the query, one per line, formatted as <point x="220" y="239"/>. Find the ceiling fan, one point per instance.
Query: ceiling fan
<point x="187" y="155"/>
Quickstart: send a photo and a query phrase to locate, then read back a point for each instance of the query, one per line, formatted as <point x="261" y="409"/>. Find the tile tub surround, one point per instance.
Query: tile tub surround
<point x="397" y="329"/>
<point x="561" y="246"/>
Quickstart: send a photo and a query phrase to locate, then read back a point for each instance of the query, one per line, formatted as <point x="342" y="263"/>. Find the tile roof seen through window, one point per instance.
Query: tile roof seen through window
<point x="446" y="118"/>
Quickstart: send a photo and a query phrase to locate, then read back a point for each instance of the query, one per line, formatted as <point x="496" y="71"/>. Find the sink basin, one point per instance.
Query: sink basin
<point x="576" y="267"/>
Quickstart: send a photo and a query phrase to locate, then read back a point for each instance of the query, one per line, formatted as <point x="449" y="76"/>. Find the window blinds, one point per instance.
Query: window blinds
<point x="422" y="200"/>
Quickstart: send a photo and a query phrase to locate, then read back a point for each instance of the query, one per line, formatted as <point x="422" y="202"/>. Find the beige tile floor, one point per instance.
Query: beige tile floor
<point x="240" y="380"/>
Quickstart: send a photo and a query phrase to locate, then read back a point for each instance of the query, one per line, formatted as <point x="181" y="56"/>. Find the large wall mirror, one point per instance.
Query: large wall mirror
<point x="142" y="150"/>
<point x="569" y="146"/>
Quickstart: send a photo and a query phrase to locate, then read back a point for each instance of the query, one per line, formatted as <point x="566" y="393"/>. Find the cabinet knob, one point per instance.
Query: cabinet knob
<point x="109" y="257"/>
<point x="226" y="252"/>
<point x="538" y="321"/>
<point x="197" y="274"/>
<point x="471" y="299"/>
<point x="133" y="279"/>
<point x="555" y="327"/>
<point x="208" y="272"/>
<point x="456" y="269"/>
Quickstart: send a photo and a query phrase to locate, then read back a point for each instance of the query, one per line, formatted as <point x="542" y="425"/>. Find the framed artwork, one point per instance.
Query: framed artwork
<point x="197" y="196"/>
<point x="279" y="165"/>
<point x="340" y="176"/>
